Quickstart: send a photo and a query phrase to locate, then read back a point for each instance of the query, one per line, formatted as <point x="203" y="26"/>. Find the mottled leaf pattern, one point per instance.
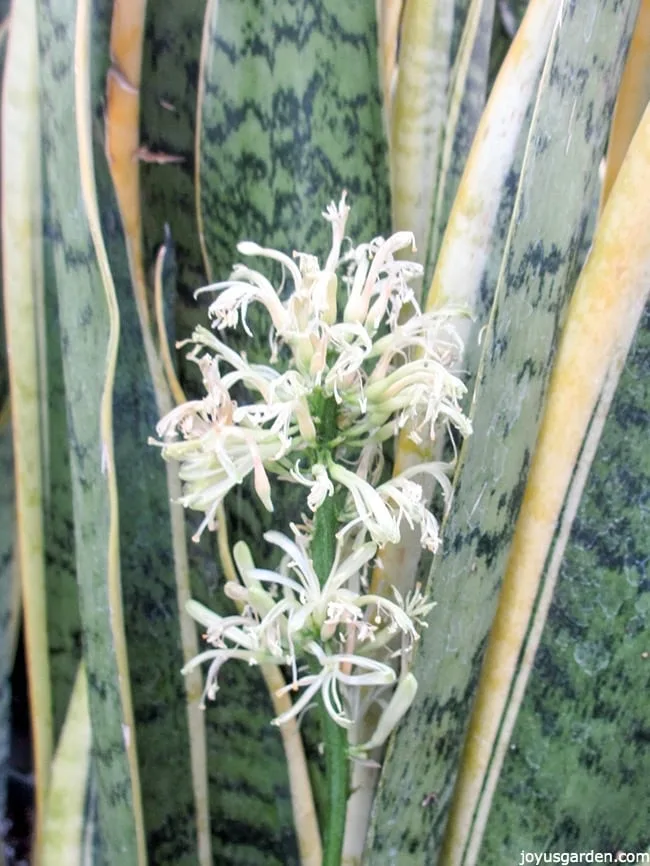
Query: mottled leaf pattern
<point x="168" y="100"/>
<point x="63" y="621"/>
<point x="604" y="313"/>
<point x="576" y="775"/>
<point x="469" y="258"/>
<point x="539" y="267"/>
<point x="246" y="764"/>
<point x="290" y="116"/>
<point x="151" y="607"/>
<point x="83" y="318"/>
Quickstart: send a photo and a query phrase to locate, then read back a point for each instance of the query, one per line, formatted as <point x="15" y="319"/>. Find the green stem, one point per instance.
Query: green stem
<point x="335" y="738"/>
<point x="323" y="544"/>
<point x="323" y="547"/>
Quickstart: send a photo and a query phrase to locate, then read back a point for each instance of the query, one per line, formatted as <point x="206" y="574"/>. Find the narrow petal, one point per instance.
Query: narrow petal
<point x="298" y="557"/>
<point x="333" y="705"/>
<point x="301" y="703"/>
<point x="350" y="567"/>
<point x="398" y="705"/>
<point x="249" y="248"/>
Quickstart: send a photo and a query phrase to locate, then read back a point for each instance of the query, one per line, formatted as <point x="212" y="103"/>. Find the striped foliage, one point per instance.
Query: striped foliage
<point x="145" y="140"/>
<point x="575" y="774"/>
<point x="536" y="276"/>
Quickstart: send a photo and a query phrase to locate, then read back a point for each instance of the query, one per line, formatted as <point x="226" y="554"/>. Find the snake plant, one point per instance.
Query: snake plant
<point x="141" y="143"/>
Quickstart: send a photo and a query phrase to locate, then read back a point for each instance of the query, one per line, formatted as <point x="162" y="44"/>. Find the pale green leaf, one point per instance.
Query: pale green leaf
<point x="539" y="267"/>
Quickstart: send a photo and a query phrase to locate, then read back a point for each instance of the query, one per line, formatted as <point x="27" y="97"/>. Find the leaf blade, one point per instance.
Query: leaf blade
<point x="66" y="801"/>
<point x="85" y="337"/>
<point x="418" y="116"/>
<point x="585" y="705"/>
<point x="602" y="317"/>
<point x="23" y="299"/>
<point x="506" y="409"/>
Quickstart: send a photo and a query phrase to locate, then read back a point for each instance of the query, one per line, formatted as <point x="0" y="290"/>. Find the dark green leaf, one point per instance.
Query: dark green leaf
<point x="539" y="268"/>
<point x="149" y="591"/>
<point x="63" y="621"/>
<point x="84" y="324"/>
<point x="290" y="117"/>
<point x="577" y="774"/>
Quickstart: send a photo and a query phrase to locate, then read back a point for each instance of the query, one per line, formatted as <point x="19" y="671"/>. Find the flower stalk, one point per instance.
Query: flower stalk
<point x="356" y="377"/>
<point x="325" y="519"/>
<point x="335" y="741"/>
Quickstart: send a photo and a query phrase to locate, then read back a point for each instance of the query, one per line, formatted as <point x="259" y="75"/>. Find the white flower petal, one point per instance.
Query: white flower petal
<point x="400" y="702"/>
<point x="301" y="703"/>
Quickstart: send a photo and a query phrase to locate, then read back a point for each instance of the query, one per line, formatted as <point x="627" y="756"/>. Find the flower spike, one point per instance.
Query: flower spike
<point x="353" y="375"/>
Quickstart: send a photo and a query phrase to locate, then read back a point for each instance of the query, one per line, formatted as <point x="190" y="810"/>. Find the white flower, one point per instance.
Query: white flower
<point x="367" y="282"/>
<point x="417" y="393"/>
<point x="233" y="637"/>
<point x="215" y="460"/>
<point x="311" y="609"/>
<point x="289" y="617"/>
<point x="381" y="509"/>
<point x="382" y="375"/>
<point x="219" y="443"/>
<point x="350" y="380"/>
<point x="332" y="681"/>
<point x="399" y="704"/>
<point x="319" y="483"/>
<point x="417" y="605"/>
<point x="370" y="508"/>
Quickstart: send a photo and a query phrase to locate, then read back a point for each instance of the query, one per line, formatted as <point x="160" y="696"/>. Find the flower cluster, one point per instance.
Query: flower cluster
<point x="359" y="372"/>
<point x="346" y="637"/>
<point x="383" y="374"/>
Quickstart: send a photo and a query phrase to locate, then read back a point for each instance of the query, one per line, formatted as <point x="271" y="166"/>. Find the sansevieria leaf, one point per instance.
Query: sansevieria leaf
<point x="172" y="795"/>
<point x="63" y="833"/>
<point x="151" y="537"/>
<point x="602" y="317"/>
<point x="537" y="275"/>
<point x="9" y="597"/>
<point x="4" y="367"/>
<point x="23" y="309"/>
<point x="141" y="142"/>
<point x="49" y="470"/>
<point x="575" y="773"/>
<point x="465" y="104"/>
<point x="469" y="259"/>
<point x="89" y="337"/>
<point x="389" y="13"/>
<point x="168" y="107"/>
<point x="418" y="115"/>
<point x="9" y="579"/>
<point x="632" y="99"/>
<point x="289" y="117"/>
